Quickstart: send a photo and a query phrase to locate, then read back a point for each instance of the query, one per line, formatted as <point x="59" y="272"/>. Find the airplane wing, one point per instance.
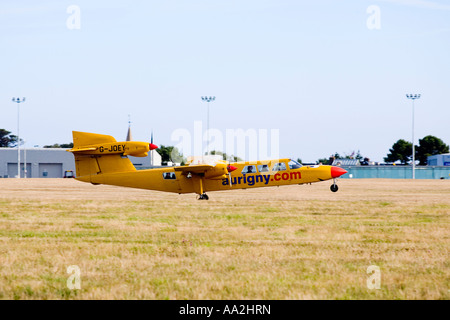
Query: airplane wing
<point x="201" y="168"/>
<point x="207" y="171"/>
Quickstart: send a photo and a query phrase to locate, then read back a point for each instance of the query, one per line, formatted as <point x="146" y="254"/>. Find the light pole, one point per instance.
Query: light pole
<point x="208" y="100"/>
<point x="17" y="100"/>
<point x="25" y="161"/>
<point x="413" y="97"/>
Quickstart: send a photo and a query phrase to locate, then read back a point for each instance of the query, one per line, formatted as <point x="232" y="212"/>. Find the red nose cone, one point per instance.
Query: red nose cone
<point x="152" y="146"/>
<point x="337" y="172"/>
<point x="231" y="168"/>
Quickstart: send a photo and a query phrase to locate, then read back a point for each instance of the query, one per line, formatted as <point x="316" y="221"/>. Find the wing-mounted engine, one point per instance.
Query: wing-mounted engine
<point x="208" y="167"/>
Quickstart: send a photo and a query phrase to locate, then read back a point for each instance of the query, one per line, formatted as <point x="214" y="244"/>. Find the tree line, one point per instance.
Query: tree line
<point x="401" y="151"/>
<point x="8" y="140"/>
<point x="428" y="146"/>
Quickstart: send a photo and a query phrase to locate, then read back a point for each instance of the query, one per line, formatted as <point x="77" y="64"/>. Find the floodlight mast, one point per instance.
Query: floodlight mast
<point x="18" y="101"/>
<point x="207" y="100"/>
<point x="413" y="97"/>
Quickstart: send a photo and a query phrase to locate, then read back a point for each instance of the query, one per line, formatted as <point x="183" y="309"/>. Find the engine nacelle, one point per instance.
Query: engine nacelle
<point x="218" y="172"/>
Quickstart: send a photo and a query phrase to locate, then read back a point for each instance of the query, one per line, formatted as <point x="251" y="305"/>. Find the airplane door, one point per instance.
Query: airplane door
<point x="171" y="181"/>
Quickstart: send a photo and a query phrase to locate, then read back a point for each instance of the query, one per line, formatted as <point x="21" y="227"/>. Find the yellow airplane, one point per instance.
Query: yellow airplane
<point x="100" y="159"/>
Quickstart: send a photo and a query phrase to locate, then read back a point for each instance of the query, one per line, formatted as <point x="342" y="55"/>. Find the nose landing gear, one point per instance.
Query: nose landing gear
<point x="334" y="187"/>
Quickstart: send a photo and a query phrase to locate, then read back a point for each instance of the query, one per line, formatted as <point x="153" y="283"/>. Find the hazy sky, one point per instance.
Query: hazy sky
<point x="331" y="76"/>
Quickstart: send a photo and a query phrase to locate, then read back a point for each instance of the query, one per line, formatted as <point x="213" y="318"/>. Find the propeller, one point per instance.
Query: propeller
<point x="151" y="145"/>
<point x="230" y="169"/>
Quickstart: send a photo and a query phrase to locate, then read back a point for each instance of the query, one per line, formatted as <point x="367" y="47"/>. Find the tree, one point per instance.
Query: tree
<point x="359" y="156"/>
<point x="430" y="146"/>
<point x="7" y="140"/>
<point x="323" y="160"/>
<point x="170" y="153"/>
<point x="225" y="156"/>
<point x="330" y="159"/>
<point x="63" y="145"/>
<point x="400" y="151"/>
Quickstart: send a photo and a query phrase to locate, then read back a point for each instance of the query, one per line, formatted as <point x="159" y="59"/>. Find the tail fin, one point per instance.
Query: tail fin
<point x="85" y="139"/>
<point x="89" y="166"/>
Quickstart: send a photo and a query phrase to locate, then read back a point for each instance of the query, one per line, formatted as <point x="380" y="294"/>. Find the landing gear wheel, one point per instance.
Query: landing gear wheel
<point x="334" y="188"/>
<point x="202" y="196"/>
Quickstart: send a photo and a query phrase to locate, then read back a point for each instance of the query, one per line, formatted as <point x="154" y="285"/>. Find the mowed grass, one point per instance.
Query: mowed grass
<point x="295" y="242"/>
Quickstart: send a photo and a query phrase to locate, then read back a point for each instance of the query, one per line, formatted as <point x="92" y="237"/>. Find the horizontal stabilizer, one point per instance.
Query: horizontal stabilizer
<point x="82" y="149"/>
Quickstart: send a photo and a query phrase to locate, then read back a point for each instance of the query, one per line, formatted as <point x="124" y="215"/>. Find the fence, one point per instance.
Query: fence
<point x="396" y="172"/>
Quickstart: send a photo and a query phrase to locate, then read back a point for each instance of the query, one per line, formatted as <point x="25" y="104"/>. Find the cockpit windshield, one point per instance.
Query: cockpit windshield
<point x="294" y="164"/>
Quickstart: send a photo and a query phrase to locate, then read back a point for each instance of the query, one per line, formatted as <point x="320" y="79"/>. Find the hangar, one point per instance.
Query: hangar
<point x="52" y="162"/>
<point x="439" y="160"/>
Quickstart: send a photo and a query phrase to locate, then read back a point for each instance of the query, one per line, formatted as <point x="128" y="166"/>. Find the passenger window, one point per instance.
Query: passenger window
<point x="249" y="169"/>
<point x="294" y="164"/>
<point x="263" y="168"/>
<point x="280" y="166"/>
<point x="169" y="175"/>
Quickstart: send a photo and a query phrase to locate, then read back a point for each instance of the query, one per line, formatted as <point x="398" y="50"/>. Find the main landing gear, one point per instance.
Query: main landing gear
<point x="334" y="187"/>
<point x="202" y="196"/>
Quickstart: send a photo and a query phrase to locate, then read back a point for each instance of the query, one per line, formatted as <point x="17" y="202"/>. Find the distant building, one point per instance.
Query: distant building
<point x="52" y="162"/>
<point x="439" y="160"/>
<point x="346" y="162"/>
<point x="40" y="162"/>
<point x="146" y="162"/>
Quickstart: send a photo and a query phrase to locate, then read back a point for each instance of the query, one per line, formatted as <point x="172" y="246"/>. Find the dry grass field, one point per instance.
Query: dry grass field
<point x="295" y="242"/>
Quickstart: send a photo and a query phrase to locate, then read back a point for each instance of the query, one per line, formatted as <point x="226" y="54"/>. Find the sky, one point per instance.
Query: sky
<point x="325" y="76"/>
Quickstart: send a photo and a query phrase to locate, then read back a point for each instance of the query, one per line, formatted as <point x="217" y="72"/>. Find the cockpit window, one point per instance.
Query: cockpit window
<point x="294" y="164"/>
<point x="169" y="175"/>
<point x="263" y="168"/>
<point x="249" y="169"/>
<point x="280" y="166"/>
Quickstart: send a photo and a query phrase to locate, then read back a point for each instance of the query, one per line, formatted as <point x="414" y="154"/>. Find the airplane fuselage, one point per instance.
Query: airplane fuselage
<point x="100" y="159"/>
<point x="170" y="180"/>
